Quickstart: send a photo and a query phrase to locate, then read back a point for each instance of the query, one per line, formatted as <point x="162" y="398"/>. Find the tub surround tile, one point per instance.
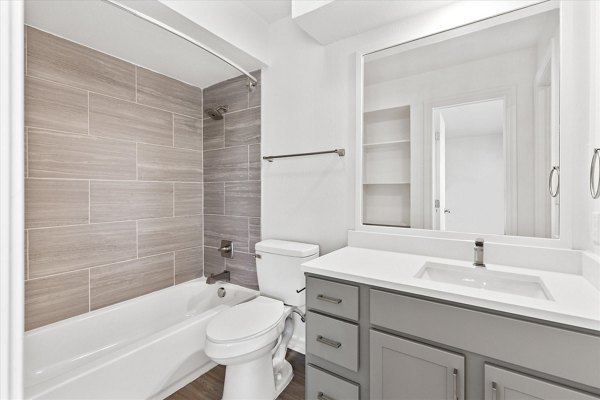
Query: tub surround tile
<point x="214" y="198"/>
<point x="217" y="227"/>
<point x="69" y="248"/>
<point x="157" y="163"/>
<point x="213" y="262"/>
<point x="160" y="91"/>
<point x="232" y="92"/>
<point x="189" y="264"/>
<point x="213" y="134"/>
<point x="63" y="61"/>
<point x="254" y="235"/>
<point x="242" y="198"/>
<point x="230" y="164"/>
<point x="188" y="132"/>
<point x="49" y="105"/>
<point x="114" y="283"/>
<point x="188" y="198"/>
<point x="120" y="201"/>
<point x="255" y="161"/>
<point x="242" y="127"/>
<point x="56" y="298"/>
<point x="56" y="155"/>
<point x="163" y="235"/>
<point x="54" y="202"/>
<point x="119" y="119"/>
<point x="243" y="270"/>
<point x="121" y="166"/>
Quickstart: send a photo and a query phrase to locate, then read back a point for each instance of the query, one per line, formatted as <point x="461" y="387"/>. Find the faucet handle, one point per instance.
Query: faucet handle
<point x="479" y="242"/>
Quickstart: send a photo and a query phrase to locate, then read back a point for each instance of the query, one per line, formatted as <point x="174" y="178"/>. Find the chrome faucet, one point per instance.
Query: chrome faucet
<point x="478" y="253"/>
<point x="223" y="276"/>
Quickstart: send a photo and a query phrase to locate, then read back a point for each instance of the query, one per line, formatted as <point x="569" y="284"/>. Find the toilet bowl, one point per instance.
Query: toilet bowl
<point x="251" y="339"/>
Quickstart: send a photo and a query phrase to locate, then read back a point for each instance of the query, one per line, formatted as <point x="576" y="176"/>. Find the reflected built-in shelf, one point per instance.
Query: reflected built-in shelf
<point x="386" y="183"/>
<point x="388" y="143"/>
<point x="386" y="167"/>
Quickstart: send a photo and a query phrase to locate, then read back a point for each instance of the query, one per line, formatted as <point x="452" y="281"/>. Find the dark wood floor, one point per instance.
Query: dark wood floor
<point x="210" y="385"/>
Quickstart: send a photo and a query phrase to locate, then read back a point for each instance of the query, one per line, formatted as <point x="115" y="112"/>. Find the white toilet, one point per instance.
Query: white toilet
<point x="251" y="339"/>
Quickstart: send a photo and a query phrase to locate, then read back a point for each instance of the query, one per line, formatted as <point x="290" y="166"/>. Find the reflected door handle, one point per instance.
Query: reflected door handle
<point x="446" y="211"/>
<point x="554" y="170"/>
<point x="595" y="185"/>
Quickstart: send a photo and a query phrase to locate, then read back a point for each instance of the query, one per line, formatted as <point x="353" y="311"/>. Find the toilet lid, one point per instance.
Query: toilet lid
<point x="245" y="320"/>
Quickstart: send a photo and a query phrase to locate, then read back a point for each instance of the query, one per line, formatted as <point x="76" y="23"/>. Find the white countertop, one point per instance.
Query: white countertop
<point x="576" y="301"/>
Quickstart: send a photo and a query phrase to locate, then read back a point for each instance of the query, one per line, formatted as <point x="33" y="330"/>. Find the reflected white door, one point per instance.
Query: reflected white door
<point x="440" y="210"/>
<point x="470" y="167"/>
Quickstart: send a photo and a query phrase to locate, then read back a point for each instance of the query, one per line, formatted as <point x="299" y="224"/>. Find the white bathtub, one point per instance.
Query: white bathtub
<point x="143" y="348"/>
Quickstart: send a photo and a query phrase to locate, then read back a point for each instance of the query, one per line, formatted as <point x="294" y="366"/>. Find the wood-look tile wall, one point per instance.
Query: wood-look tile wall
<point x="113" y="180"/>
<point x="232" y="182"/>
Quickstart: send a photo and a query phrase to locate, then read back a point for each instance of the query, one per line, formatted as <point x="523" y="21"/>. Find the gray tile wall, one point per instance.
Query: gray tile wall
<point x="232" y="186"/>
<point x="113" y="180"/>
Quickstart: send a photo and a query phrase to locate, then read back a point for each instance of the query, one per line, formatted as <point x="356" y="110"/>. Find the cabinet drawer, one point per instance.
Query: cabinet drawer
<point x="332" y="297"/>
<point x="332" y="339"/>
<point x="321" y="385"/>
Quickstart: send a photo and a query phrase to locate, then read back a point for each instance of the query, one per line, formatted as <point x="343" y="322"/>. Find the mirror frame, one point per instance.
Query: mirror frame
<point x="439" y="30"/>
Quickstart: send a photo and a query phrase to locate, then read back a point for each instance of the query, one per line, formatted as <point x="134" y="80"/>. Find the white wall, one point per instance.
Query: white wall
<point x="584" y="120"/>
<point x="309" y="104"/>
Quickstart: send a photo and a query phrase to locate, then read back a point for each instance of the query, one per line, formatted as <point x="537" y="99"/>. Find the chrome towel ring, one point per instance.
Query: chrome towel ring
<point x="555" y="170"/>
<point x="595" y="183"/>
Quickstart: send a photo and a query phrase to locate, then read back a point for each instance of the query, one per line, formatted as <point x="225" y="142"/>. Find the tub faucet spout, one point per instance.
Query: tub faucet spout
<point x="478" y="253"/>
<point x="222" y="276"/>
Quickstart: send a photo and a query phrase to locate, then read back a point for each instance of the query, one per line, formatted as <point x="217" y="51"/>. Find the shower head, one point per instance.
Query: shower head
<point x="217" y="112"/>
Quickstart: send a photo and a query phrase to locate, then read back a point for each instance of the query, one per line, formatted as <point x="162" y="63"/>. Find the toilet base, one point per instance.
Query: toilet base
<point x="251" y="380"/>
<point x="283" y="378"/>
<point x="255" y="381"/>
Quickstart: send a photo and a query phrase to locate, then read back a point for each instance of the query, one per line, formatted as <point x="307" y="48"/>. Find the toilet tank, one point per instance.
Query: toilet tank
<point x="278" y="269"/>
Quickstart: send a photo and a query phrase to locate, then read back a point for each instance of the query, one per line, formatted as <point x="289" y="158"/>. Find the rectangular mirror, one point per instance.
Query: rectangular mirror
<point x="461" y="129"/>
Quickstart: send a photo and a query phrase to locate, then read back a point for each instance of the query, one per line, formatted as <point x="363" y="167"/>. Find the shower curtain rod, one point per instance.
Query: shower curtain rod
<point x="183" y="36"/>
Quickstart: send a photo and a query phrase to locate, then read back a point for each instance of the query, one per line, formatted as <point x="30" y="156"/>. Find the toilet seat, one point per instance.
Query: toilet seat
<point x="245" y="329"/>
<point x="245" y="321"/>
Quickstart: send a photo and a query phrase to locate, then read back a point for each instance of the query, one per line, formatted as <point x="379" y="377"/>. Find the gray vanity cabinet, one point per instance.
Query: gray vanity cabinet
<point x="502" y="384"/>
<point x="405" y="370"/>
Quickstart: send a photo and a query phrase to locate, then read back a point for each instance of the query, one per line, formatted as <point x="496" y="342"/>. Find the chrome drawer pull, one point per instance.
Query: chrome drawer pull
<point x="329" y="299"/>
<point x="455" y="391"/>
<point x="328" y="342"/>
<point x="322" y="396"/>
<point x="494" y="390"/>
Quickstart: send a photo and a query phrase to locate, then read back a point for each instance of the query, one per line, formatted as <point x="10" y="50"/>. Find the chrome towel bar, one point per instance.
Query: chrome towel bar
<point x="339" y="152"/>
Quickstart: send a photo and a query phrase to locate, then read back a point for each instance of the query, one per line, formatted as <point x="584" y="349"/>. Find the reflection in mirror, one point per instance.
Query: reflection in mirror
<point x="460" y="129"/>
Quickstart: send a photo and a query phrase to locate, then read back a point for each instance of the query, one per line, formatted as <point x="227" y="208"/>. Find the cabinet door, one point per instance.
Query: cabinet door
<point x="405" y="370"/>
<point x="501" y="384"/>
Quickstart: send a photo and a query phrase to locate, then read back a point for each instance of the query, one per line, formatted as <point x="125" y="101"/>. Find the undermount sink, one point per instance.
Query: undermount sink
<point x="482" y="278"/>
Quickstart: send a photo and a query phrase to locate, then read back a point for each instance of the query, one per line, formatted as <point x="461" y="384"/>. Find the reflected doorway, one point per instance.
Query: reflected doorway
<point x="469" y="171"/>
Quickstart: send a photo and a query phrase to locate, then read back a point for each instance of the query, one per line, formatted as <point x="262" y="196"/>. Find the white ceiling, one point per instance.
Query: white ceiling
<point x="340" y="19"/>
<point x="101" y="26"/>
<point x="474" y="119"/>
<point x="270" y="10"/>
<point x="504" y="38"/>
